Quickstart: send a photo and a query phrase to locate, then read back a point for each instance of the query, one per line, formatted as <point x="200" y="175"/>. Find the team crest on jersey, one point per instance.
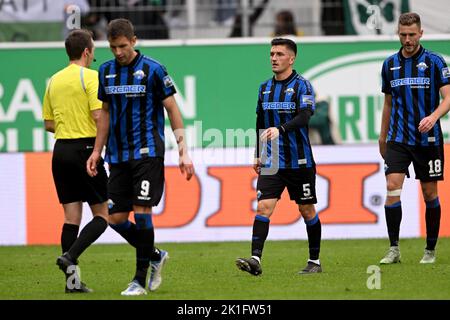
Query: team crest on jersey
<point x="168" y="81"/>
<point x="308" y="99"/>
<point x="110" y="204"/>
<point x="258" y="194"/>
<point x="446" y="73"/>
<point x="289" y="91"/>
<point x="422" y="66"/>
<point x="139" y="74"/>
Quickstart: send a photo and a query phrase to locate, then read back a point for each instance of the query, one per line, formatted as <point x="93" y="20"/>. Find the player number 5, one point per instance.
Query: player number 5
<point x="306" y="190"/>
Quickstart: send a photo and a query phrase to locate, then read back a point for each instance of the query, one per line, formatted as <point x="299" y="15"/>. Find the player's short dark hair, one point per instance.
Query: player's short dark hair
<point x="120" y="28"/>
<point x="409" y="18"/>
<point x="285" y="42"/>
<point x="77" y="41"/>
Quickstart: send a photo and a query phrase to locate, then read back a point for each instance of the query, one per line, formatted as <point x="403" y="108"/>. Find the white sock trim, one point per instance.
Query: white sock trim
<point x="257" y="259"/>
<point x="315" y="261"/>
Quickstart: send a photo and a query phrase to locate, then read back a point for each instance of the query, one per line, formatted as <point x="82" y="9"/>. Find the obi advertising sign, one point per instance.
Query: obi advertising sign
<point x="219" y="203"/>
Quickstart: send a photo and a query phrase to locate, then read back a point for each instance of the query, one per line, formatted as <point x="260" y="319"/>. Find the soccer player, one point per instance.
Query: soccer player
<point x="70" y="110"/>
<point x="285" y="105"/>
<point x="411" y="131"/>
<point x="135" y="89"/>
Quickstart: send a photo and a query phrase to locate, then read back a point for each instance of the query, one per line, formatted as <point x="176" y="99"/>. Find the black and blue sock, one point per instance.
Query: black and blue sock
<point x="393" y="215"/>
<point x="433" y="220"/>
<point x="145" y="240"/>
<point x="127" y="230"/>
<point x="314" y="230"/>
<point x="259" y="236"/>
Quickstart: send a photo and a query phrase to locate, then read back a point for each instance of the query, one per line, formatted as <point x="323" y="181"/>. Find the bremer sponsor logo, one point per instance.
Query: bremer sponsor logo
<point x="278" y="105"/>
<point x="409" y="81"/>
<point x="125" y="89"/>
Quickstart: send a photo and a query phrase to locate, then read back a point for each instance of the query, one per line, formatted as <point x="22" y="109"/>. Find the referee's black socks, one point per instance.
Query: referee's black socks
<point x="68" y="236"/>
<point x="259" y="236"/>
<point x="433" y="220"/>
<point x="314" y="230"/>
<point x="91" y="232"/>
<point x="393" y="214"/>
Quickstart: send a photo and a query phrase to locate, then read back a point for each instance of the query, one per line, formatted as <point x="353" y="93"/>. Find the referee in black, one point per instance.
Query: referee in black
<point x="411" y="132"/>
<point x="70" y="110"/>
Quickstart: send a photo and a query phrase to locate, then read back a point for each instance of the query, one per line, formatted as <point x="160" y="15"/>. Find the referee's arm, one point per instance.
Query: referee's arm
<point x="49" y="125"/>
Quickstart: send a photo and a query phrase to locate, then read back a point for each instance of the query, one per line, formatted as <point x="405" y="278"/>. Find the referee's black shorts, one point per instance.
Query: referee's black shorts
<point x="69" y="172"/>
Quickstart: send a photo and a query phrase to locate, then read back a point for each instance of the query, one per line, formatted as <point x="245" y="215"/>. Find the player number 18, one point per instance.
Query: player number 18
<point x="435" y="166"/>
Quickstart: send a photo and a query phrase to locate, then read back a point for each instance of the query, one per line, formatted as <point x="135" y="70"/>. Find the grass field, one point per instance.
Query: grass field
<point x="207" y="271"/>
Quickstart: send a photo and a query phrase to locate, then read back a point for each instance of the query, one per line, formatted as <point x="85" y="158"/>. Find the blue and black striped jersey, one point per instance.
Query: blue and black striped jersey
<point x="414" y="84"/>
<point x="278" y="103"/>
<point x="135" y="94"/>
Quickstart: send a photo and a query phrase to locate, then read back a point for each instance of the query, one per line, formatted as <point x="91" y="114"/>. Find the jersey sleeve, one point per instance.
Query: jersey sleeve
<point x="47" y="110"/>
<point x="164" y="85"/>
<point x="306" y="97"/>
<point x="443" y="73"/>
<point x="91" y="90"/>
<point x="385" y="84"/>
<point x="101" y="94"/>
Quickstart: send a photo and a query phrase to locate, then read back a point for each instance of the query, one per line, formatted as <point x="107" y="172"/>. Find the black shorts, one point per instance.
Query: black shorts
<point x="428" y="162"/>
<point x="135" y="182"/>
<point x="69" y="172"/>
<point x="301" y="185"/>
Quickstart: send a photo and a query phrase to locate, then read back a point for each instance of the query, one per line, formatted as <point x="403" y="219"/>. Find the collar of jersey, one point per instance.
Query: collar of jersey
<point x="132" y="63"/>
<point x="415" y="56"/>
<point x="288" y="79"/>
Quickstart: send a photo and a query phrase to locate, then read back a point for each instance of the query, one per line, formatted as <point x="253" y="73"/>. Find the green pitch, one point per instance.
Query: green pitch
<point x="207" y="271"/>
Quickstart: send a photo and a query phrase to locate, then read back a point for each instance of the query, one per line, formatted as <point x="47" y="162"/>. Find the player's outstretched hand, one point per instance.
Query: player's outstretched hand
<point x="186" y="166"/>
<point x="92" y="162"/>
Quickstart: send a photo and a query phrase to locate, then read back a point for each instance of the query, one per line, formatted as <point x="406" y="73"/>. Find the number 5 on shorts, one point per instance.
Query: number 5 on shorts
<point x="307" y="190"/>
